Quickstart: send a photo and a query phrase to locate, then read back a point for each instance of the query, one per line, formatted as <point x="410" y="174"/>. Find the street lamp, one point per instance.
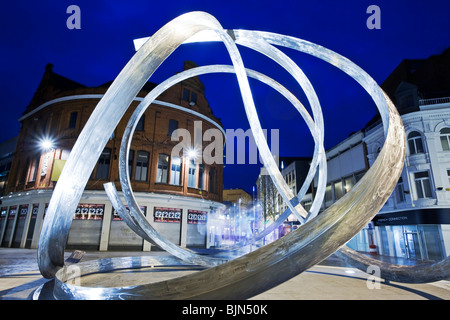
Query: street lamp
<point x="46" y="144"/>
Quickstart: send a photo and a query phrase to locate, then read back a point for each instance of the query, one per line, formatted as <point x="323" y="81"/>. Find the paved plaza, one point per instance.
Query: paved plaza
<point x="329" y="280"/>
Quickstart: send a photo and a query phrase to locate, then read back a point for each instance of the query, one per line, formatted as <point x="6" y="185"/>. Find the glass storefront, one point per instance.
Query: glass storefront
<point x="417" y="242"/>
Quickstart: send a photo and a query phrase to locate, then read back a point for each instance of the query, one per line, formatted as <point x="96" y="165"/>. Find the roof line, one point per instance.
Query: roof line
<point x="99" y="96"/>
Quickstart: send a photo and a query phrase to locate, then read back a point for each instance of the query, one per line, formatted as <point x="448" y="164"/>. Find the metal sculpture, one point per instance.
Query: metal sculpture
<point x="421" y="273"/>
<point x="268" y="266"/>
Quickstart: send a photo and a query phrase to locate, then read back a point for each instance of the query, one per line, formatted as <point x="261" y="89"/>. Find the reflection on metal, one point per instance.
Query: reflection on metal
<point x="420" y="273"/>
<point x="261" y="269"/>
<point x="137" y="221"/>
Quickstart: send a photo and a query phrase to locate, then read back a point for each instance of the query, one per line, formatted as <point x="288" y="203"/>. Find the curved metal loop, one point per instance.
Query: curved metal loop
<point x="100" y="126"/>
<point x="421" y="273"/>
<point x="135" y="212"/>
<point x="267" y="266"/>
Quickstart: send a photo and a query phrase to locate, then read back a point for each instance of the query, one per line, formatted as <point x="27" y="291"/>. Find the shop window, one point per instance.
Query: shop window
<point x="445" y="139"/>
<point x="423" y="184"/>
<point x="175" y="171"/>
<point x="163" y="168"/>
<point x="142" y="161"/>
<point x="415" y="143"/>
<point x="191" y="174"/>
<point x="73" y="120"/>
<point x="103" y="164"/>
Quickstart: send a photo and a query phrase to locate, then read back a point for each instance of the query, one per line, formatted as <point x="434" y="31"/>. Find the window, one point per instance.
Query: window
<point x="163" y="167"/>
<point x="185" y="94"/>
<point x="130" y="162"/>
<point x="201" y="171"/>
<point x="423" y="184"/>
<point x="173" y="125"/>
<point x="400" y="190"/>
<point x="141" y="171"/>
<point x="348" y="184"/>
<point x="445" y="139"/>
<point x="140" y="124"/>
<point x="193" y="98"/>
<point x="103" y="164"/>
<point x="415" y="143"/>
<point x="338" y="190"/>
<point x="73" y="120"/>
<point x="328" y="194"/>
<point x="34" y="169"/>
<point x="189" y="96"/>
<point x="175" y="171"/>
<point x="191" y="174"/>
<point x="448" y="175"/>
<point x="212" y="180"/>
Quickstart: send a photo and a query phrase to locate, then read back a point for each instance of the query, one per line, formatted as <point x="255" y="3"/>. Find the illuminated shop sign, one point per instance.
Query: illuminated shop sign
<point x="3" y="213"/>
<point x="116" y="216"/>
<point x="167" y="215"/>
<point x="12" y="213"/>
<point x="197" y="217"/>
<point x="89" y="212"/>
<point x="23" y="211"/>
<point x="35" y="211"/>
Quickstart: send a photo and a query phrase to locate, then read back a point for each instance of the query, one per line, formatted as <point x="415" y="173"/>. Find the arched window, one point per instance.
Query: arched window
<point x="445" y="138"/>
<point x="415" y="143"/>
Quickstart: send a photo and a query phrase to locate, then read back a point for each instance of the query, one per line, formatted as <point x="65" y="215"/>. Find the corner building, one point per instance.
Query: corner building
<point x="176" y="193"/>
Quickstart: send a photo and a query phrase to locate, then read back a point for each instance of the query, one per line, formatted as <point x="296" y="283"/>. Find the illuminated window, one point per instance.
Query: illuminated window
<point x="191" y="174"/>
<point x="141" y="171"/>
<point x="163" y="168"/>
<point x="175" y="171"/>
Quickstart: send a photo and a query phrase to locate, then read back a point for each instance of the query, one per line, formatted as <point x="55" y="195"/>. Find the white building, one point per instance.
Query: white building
<point x="415" y="221"/>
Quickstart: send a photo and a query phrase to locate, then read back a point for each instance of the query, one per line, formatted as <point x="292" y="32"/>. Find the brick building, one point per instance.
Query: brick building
<point x="175" y="193"/>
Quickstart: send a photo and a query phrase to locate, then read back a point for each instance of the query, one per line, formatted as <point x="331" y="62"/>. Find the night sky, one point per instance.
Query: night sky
<point x="34" y="33"/>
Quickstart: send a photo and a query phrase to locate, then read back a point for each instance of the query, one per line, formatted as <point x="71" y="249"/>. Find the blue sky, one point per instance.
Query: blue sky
<point x="34" y="33"/>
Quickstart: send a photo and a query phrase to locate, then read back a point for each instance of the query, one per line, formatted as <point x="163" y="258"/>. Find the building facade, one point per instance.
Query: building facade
<point x="7" y="150"/>
<point x="176" y="191"/>
<point x="415" y="221"/>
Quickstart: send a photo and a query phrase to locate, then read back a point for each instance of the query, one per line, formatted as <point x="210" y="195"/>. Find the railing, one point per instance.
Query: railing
<point x="425" y="102"/>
